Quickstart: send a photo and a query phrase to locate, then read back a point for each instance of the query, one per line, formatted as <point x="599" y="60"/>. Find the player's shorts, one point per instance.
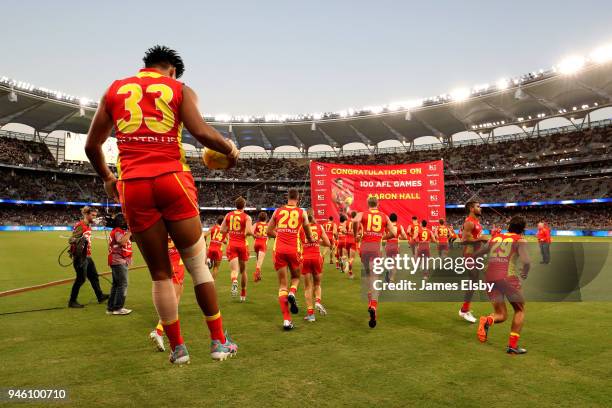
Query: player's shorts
<point x="423" y="252"/>
<point x="509" y="287"/>
<point x="292" y="260"/>
<point x="391" y="250"/>
<point x="171" y="196"/>
<point x="234" y="251"/>
<point x="178" y="274"/>
<point x="350" y="246"/>
<point x="341" y="246"/>
<point x="214" y="254"/>
<point x="312" y="265"/>
<point x="443" y="246"/>
<point x="261" y="246"/>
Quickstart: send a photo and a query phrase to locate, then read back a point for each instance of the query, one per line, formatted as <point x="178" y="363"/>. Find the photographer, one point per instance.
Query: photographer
<point x="80" y="251"/>
<point x="119" y="259"/>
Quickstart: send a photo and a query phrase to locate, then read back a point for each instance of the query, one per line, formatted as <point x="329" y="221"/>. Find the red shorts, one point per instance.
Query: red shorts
<point x="178" y="274"/>
<point x="391" y="250"/>
<point x="314" y="266"/>
<point x="214" y="254"/>
<point x="509" y="287"/>
<point x="260" y="246"/>
<point x="443" y="246"/>
<point x="350" y="246"/>
<point x="294" y="260"/>
<point x="423" y="252"/>
<point x="341" y="245"/>
<point x="171" y="196"/>
<point x="240" y="252"/>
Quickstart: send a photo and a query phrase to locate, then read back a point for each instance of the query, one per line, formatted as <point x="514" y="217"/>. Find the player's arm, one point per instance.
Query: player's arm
<point x="99" y="130"/>
<point x="391" y="229"/>
<point x="356" y="222"/>
<point x="202" y="131"/>
<point x="249" y="226"/>
<point x="325" y="239"/>
<point x="224" y="227"/>
<point x="306" y="226"/>
<point x="524" y="257"/>
<point x="124" y="238"/>
<point x="272" y="225"/>
<point x="403" y="234"/>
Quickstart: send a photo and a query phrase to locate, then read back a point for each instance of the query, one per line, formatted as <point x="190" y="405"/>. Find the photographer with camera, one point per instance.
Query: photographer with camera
<point x="80" y="251"/>
<point x="119" y="259"/>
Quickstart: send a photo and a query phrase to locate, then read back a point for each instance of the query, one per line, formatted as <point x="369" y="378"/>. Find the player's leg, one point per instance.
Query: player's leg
<point x="215" y="268"/>
<point x="153" y="244"/>
<point x="157" y="335"/>
<point x="317" y="291"/>
<point x="465" y="311"/>
<point x="351" y="259"/>
<point x="234" y="270"/>
<point x="294" y="271"/>
<point x="366" y="264"/>
<point x="283" y="293"/>
<point x="515" y="330"/>
<point x="188" y="239"/>
<point x="243" y="278"/>
<point x="261" y="255"/>
<point x="308" y="296"/>
<point x="499" y="315"/>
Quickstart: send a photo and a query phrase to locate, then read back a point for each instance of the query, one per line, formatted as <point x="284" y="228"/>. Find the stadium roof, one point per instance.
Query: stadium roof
<point x="574" y="88"/>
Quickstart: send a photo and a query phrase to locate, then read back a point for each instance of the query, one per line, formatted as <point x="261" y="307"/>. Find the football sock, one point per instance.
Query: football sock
<point x="215" y="326"/>
<point x="159" y="329"/>
<point x="173" y="332"/>
<point x="466" y="307"/>
<point x="318" y="300"/>
<point x="284" y="304"/>
<point x="293" y="289"/>
<point x="490" y="320"/>
<point x="310" y="311"/>
<point x="243" y="292"/>
<point x="513" y="340"/>
<point x="373" y="303"/>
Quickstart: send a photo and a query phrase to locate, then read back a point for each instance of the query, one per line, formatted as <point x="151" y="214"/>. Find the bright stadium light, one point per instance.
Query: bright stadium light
<point x="460" y="94"/>
<point x="571" y="65"/>
<point x="502" y="84"/>
<point x="222" y="117"/>
<point x="602" y="54"/>
<point x="84" y="101"/>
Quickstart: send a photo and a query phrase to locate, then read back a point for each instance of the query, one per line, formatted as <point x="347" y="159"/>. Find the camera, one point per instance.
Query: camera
<point x="115" y="220"/>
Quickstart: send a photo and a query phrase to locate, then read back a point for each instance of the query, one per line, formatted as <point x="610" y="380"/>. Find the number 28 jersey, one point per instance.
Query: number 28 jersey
<point x="148" y="126"/>
<point x="289" y="220"/>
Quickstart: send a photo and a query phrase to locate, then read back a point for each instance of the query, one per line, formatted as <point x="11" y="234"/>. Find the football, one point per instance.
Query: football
<point x="215" y="160"/>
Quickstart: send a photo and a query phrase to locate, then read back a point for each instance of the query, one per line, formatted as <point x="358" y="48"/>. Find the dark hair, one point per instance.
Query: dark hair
<point x="240" y="203"/>
<point x="342" y="217"/>
<point x="441" y="221"/>
<point x="424" y="223"/>
<point x="469" y="205"/>
<point x="293" y="194"/>
<point x="353" y="214"/>
<point x="414" y="218"/>
<point x="160" y="55"/>
<point x="331" y="217"/>
<point x="262" y="216"/>
<point x="220" y="219"/>
<point x="517" y="224"/>
<point x="372" y="202"/>
<point x="393" y="217"/>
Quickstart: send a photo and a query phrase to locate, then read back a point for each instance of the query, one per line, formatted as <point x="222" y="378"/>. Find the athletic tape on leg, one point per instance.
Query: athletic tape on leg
<point x="164" y="300"/>
<point x="194" y="259"/>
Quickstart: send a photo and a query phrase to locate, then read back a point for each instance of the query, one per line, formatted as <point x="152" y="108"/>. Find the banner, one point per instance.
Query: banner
<point x="415" y="189"/>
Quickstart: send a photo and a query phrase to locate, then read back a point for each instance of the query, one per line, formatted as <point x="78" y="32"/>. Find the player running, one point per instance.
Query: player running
<point x="312" y="267"/>
<point x="472" y="240"/>
<point x="443" y="234"/>
<point x="217" y="239"/>
<point x="423" y="238"/>
<point x="260" y="232"/>
<point x="285" y="226"/>
<point x="376" y="226"/>
<point x="505" y="251"/>
<point x="350" y="246"/>
<point x="413" y="229"/>
<point x="178" y="277"/>
<point x="331" y="230"/>
<point x="392" y="245"/>
<point x="157" y="193"/>
<point x="237" y="224"/>
<point x="340" y="263"/>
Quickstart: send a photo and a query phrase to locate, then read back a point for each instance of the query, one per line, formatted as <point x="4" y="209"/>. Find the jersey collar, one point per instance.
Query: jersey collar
<point x="149" y="72"/>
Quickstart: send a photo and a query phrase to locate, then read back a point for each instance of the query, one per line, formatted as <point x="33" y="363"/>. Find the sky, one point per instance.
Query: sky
<point x="289" y="57"/>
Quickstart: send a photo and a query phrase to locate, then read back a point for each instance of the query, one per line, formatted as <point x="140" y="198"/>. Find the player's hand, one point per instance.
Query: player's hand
<point x="110" y="186"/>
<point x="232" y="157"/>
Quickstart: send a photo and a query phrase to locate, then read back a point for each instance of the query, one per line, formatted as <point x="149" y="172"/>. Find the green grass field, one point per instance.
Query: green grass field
<point x="420" y="353"/>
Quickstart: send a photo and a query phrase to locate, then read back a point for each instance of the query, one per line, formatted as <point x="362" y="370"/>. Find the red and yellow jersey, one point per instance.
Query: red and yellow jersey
<point x="342" y="233"/>
<point x="425" y="236"/>
<point x="82" y="229"/>
<point x="350" y="235"/>
<point x="236" y="222"/>
<point x="374" y="225"/>
<point x="217" y="238"/>
<point x="260" y="231"/>
<point x="148" y="126"/>
<point x="312" y="249"/>
<point x="495" y="231"/>
<point x="503" y="256"/>
<point x="475" y="235"/>
<point x="329" y="229"/>
<point x="395" y="239"/>
<point x="289" y="220"/>
<point x="444" y="233"/>
<point x="117" y="253"/>
<point x="175" y="259"/>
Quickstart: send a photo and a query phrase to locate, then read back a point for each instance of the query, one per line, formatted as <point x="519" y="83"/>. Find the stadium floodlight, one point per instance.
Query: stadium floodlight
<point x="460" y="94"/>
<point x="317" y="116"/>
<point x="602" y="54"/>
<point x="222" y="117"/>
<point x="12" y="96"/>
<point x="502" y="84"/>
<point x="313" y="126"/>
<point x="408" y="115"/>
<point x="571" y="65"/>
<point x="231" y="128"/>
<point x="84" y="101"/>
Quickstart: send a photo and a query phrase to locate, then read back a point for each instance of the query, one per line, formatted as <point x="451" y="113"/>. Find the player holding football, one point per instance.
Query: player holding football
<point x="237" y="224"/>
<point x="423" y="238"/>
<point x="178" y="277"/>
<point x="505" y="251"/>
<point x="331" y="230"/>
<point x="217" y="239"/>
<point x="157" y="193"/>
<point x="285" y="226"/>
<point x="260" y="232"/>
<point x="443" y="234"/>
<point x="376" y="226"/>
<point x="312" y="267"/>
<point x="472" y="240"/>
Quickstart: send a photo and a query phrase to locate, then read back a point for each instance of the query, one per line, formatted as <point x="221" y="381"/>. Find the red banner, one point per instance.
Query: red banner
<point x="406" y="190"/>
